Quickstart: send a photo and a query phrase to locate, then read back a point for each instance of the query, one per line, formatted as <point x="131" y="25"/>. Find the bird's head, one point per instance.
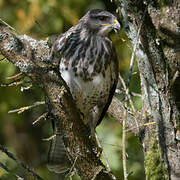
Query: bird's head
<point x="101" y="21"/>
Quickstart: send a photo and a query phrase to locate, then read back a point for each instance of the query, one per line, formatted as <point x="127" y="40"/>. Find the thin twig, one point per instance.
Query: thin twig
<point x="135" y="94"/>
<point x="22" y="109"/>
<point x="16" y="76"/>
<point x="126" y="88"/>
<point x="10" y="27"/>
<point x="124" y="146"/>
<point x="134" y="50"/>
<point x="43" y="116"/>
<point x="143" y="124"/>
<point x="10" y="155"/>
<point x="7" y="169"/>
<point x="71" y="169"/>
<point x="2" y="59"/>
<point x="176" y="75"/>
<point x="115" y="145"/>
<point x="49" y="138"/>
<point x="16" y="83"/>
<point x="104" y="157"/>
<point x="26" y="88"/>
<point x="103" y="154"/>
<point x="127" y="92"/>
<point x="129" y="98"/>
<point x="119" y="91"/>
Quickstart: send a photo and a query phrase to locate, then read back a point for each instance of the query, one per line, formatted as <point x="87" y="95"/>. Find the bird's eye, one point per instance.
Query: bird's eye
<point x="102" y="18"/>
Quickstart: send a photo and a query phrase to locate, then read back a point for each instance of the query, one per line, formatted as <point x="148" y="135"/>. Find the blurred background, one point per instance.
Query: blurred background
<point x="40" y="19"/>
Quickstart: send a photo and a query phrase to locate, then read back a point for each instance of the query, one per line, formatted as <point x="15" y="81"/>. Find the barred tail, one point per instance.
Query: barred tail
<point x="57" y="159"/>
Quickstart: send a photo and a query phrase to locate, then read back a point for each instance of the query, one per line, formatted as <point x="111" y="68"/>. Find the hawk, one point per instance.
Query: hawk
<point x="89" y="66"/>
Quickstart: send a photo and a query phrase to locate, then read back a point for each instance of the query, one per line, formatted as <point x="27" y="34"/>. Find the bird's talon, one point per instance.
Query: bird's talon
<point x="96" y="149"/>
<point x="99" y="152"/>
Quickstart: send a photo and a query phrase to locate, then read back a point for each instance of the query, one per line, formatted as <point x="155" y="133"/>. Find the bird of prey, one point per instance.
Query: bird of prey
<point x="89" y="66"/>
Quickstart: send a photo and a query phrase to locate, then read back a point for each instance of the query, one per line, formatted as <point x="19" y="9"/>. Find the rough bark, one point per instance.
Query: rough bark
<point x="158" y="56"/>
<point x="31" y="57"/>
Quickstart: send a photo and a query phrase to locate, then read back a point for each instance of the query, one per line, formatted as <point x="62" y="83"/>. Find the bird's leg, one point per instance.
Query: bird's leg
<point x="91" y="126"/>
<point x="93" y="135"/>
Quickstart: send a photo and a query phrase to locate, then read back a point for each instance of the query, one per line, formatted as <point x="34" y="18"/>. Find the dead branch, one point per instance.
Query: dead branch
<point x="117" y="109"/>
<point x="25" y="108"/>
<point x="42" y="117"/>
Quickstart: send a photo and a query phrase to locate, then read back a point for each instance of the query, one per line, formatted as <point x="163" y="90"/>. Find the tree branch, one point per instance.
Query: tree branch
<point x="117" y="109"/>
<point x="31" y="57"/>
<point x="10" y="155"/>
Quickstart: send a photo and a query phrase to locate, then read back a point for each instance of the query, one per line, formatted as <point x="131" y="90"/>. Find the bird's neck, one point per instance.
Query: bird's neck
<point x="84" y="41"/>
<point x="83" y="44"/>
<point x="87" y="51"/>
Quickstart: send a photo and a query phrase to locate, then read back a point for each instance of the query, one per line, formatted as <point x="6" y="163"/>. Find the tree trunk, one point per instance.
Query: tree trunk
<point x="158" y="56"/>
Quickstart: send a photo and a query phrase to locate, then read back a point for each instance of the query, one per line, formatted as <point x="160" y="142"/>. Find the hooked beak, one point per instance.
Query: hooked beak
<point x="115" y="26"/>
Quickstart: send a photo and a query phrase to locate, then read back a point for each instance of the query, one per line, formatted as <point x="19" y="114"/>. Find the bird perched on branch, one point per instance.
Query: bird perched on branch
<point x="89" y="66"/>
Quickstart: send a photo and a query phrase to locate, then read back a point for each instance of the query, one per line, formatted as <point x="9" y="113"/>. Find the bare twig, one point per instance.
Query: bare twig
<point x="70" y="174"/>
<point x="115" y="145"/>
<point x="124" y="146"/>
<point x="7" y="169"/>
<point x="15" y="83"/>
<point x="127" y="92"/>
<point x="26" y="88"/>
<point x="117" y="108"/>
<point x="104" y="156"/>
<point x="135" y="94"/>
<point x="10" y="27"/>
<point x="126" y="89"/>
<point x="119" y="91"/>
<point x="10" y="155"/>
<point x="2" y="59"/>
<point x="143" y="124"/>
<point x="49" y="138"/>
<point x="134" y="50"/>
<point x="22" y="109"/>
<point x="176" y="75"/>
<point x="43" y="116"/>
<point x="16" y="76"/>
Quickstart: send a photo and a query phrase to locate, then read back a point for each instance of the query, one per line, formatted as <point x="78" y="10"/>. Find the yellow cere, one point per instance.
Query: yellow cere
<point x="106" y="24"/>
<point x="115" y="22"/>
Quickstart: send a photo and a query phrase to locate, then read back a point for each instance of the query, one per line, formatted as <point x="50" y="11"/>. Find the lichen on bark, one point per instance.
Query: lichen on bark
<point x="154" y="168"/>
